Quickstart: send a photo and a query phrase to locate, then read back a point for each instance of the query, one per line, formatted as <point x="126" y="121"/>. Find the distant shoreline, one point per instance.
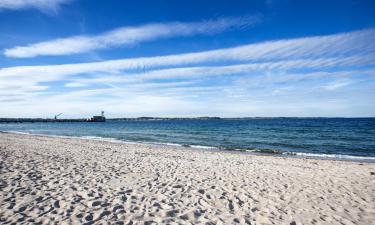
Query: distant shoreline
<point x="44" y="120"/>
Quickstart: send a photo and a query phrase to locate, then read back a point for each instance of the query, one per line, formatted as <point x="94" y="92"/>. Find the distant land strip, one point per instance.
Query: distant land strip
<point x="46" y="120"/>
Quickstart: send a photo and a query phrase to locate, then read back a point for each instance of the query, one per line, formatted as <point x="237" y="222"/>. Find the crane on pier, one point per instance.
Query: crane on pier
<point x="57" y="115"/>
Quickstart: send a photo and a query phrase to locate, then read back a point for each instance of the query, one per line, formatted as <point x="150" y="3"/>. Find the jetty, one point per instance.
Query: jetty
<point x="100" y="118"/>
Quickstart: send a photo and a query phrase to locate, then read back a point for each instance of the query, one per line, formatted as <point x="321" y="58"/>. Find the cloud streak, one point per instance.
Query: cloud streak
<point x="346" y="49"/>
<point x="128" y="36"/>
<point x="46" y="6"/>
<point x="307" y="75"/>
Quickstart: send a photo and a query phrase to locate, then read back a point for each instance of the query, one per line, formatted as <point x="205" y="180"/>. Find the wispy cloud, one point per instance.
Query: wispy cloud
<point x="127" y="36"/>
<point x="337" y="84"/>
<point x="326" y="74"/>
<point x="350" y="49"/>
<point x="46" y="6"/>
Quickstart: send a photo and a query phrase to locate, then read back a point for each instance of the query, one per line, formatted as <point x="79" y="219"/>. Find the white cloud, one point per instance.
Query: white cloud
<point x="42" y="5"/>
<point x="337" y="84"/>
<point x="333" y="75"/>
<point x="194" y="73"/>
<point x="354" y="48"/>
<point x="127" y="36"/>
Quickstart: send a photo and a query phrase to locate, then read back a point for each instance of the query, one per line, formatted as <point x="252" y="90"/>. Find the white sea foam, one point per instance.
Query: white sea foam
<point x="97" y="138"/>
<point x="167" y="143"/>
<point x="333" y="156"/>
<point x="18" y="132"/>
<point x="203" y="147"/>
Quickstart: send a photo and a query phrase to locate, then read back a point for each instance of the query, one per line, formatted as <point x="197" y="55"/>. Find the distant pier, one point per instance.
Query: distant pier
<point x="100" y="118"/>
<point x="41" y="120"/>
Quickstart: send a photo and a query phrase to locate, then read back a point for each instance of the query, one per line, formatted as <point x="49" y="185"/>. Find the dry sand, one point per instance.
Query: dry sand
<point x="50" y="180"/>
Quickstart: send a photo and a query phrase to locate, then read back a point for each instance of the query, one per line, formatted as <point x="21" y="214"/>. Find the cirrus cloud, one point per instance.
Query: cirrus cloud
<point x="42" y="5"/>
<point x="128" y="36"/>
<point x="332" y="75"/>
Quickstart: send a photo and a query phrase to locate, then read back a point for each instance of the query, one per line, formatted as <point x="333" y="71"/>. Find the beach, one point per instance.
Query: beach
<point x="60" y="180"/>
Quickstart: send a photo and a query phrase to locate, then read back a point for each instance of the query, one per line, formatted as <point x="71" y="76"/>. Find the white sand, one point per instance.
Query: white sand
<point x="60" y="180"/>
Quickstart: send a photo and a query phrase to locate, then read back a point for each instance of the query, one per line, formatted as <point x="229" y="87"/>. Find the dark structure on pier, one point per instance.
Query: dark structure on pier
<point x="100" y="118"/>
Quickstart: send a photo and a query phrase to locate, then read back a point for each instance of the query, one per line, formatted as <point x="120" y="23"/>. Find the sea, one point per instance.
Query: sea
<point x="337" y="138"/>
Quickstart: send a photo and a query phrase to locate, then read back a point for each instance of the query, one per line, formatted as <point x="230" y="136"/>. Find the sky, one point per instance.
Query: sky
<point x="191" y="58"/>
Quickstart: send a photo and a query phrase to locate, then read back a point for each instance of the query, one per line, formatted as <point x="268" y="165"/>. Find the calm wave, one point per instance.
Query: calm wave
<point x="337" y="137"/>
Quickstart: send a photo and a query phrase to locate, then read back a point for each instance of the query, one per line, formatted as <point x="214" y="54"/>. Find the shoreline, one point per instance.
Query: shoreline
<point x="272" y="153"/>
<point x="51" y="180"/>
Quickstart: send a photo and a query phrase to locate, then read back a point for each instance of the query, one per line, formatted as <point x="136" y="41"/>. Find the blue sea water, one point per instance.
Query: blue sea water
<point x="326" y="137"/>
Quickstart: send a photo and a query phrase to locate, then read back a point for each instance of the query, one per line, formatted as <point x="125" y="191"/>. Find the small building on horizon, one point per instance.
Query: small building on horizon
<point x="100" y="118"/>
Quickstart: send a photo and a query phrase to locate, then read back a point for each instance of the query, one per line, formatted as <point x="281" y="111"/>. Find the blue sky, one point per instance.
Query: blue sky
<point x="187" y="58"/>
